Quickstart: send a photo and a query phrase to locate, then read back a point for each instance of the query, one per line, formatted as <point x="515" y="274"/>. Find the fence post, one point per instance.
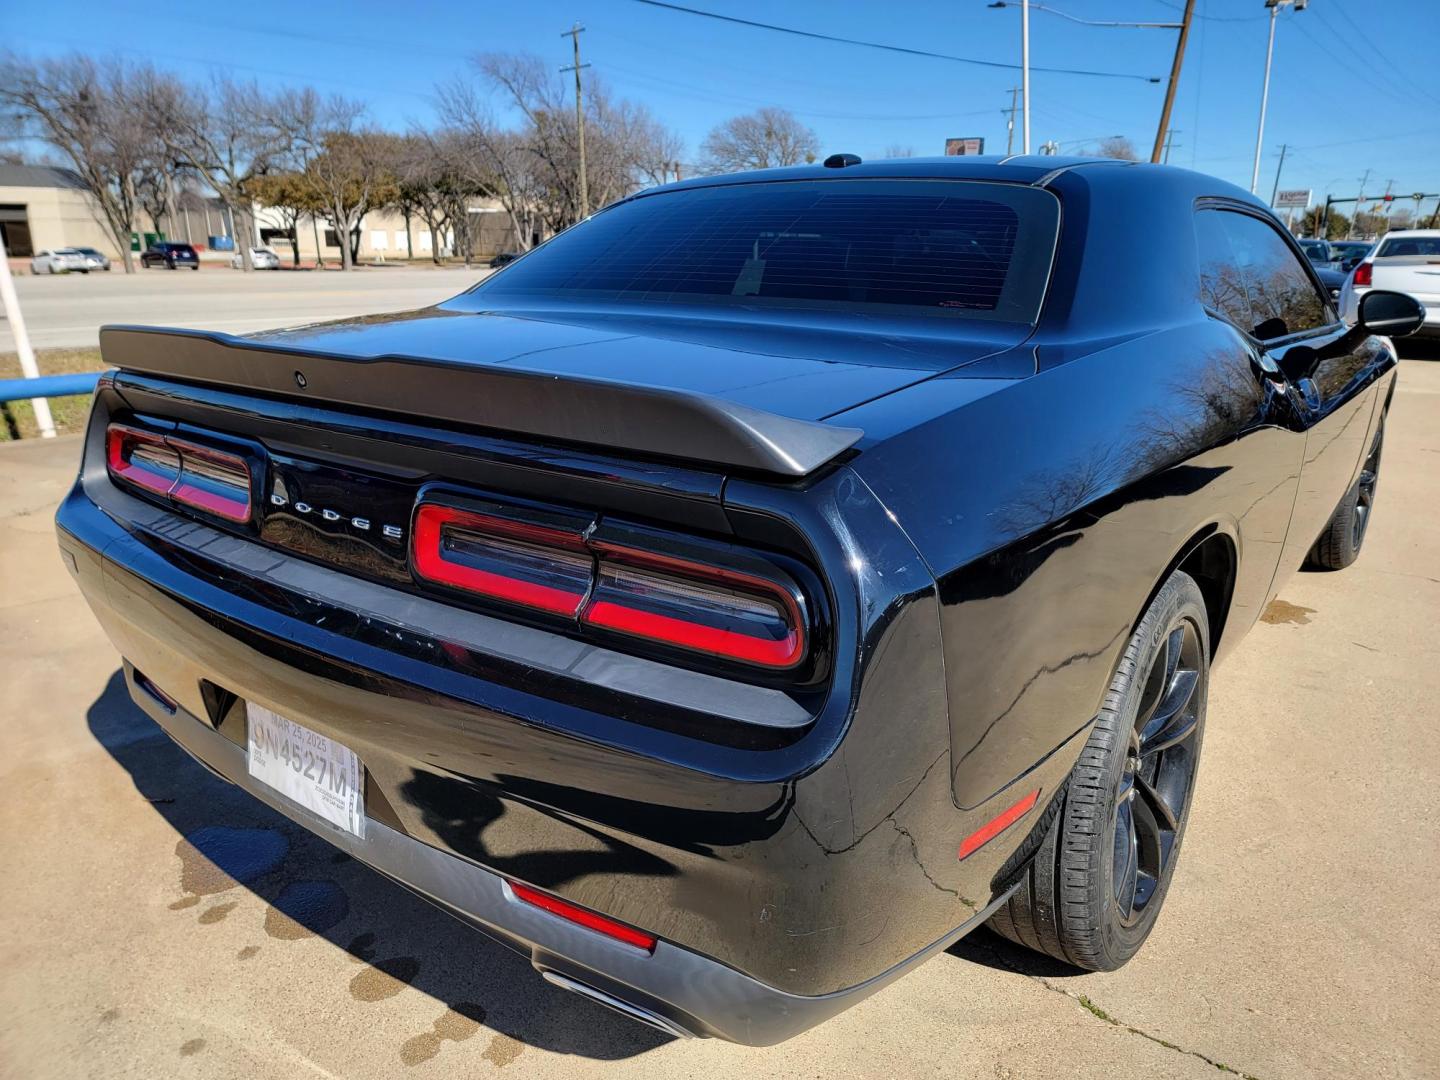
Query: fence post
<point x="43" y="419"/>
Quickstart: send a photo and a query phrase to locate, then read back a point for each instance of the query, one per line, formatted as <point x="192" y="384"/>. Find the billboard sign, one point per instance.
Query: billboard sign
<point x="964" y="147"/>
<point x="1294" y="199"/>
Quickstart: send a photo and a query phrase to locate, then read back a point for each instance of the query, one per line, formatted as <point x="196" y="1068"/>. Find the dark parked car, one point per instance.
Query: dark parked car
<point x="1318" y="252"/>
<point x="171" y="256"/>
<point x="763" y="584"/>
<point x="504" y="258"/>
<point x="1347" y="253"/>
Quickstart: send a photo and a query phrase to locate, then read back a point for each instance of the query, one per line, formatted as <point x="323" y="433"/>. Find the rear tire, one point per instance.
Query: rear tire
<point x="1339" y="544"/>
<point x="1111" y="838"/>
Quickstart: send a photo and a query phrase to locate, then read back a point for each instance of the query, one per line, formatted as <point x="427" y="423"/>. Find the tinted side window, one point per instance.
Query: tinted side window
<point x="1222" y="286"/>
<point x="1282" y="298"/>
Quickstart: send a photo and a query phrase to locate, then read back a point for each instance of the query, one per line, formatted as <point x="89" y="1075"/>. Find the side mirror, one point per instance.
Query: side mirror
<point x="1381" y="312"/>
<point x="1393" y="314"/>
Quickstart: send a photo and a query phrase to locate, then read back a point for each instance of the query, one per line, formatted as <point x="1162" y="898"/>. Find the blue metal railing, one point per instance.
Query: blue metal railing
<point x="48" y="386"/>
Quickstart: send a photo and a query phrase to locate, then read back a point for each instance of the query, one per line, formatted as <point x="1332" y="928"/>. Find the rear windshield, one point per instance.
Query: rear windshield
<point x="947" y="248"/>
<point x="1409" y="245"/>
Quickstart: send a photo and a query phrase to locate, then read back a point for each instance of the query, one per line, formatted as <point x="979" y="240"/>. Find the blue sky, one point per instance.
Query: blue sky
<point x="1343" y="91"/>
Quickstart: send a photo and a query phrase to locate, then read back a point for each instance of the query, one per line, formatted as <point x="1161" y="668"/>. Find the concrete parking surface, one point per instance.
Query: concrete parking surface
<point x="67" y="310"/>
<point x="1300" y="939"/>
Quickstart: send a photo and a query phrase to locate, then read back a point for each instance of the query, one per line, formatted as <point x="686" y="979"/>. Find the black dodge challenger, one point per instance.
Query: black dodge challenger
<point x="737" y="599"/>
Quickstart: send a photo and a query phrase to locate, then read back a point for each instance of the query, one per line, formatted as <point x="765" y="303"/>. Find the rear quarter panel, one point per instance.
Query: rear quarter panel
<point x="1051" y="507"/>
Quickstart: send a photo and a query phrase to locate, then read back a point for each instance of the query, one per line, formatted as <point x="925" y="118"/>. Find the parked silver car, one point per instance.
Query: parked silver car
<point x="261" y="258"/>
<point x="59" y="261"/>
<point x="94" y="260"/>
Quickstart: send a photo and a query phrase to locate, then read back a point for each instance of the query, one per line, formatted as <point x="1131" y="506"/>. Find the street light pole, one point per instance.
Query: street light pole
<point x="1274" y="6"/>
<point x="1025" y="68"/>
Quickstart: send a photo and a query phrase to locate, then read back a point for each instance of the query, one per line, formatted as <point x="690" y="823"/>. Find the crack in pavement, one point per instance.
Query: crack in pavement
<point x="1100" y="1014"/>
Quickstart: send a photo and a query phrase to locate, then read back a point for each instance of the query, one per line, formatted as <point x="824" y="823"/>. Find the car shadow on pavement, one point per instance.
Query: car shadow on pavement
<point x="228" y="841"/>
<point x="984" y="946"/>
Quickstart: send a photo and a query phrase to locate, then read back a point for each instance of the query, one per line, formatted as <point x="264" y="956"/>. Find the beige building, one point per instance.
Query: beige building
<point x="384" y="235"/>
<point x="42" y="208"/>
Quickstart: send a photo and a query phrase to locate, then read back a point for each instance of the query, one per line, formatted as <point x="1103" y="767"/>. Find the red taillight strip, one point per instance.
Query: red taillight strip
<point x="193" y="494"/>
<point x="182" y="487"/>
<point x="116" y="436"/>
<point x="688" y="635"/>
<point x="431" y="564"/>
<point x="583" y="917"/>
<point x="996" y="825"/>
<point x="782" y="653"/>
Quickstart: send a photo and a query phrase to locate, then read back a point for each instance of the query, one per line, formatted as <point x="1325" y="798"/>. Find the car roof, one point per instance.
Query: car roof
<point x="1032" y="169"/>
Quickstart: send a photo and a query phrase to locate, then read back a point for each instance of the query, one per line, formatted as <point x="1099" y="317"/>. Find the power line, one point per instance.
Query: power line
<point x="814" y="35"/>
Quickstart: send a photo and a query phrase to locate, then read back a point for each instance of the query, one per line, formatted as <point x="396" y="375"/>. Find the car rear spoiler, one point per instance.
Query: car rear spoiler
<point x="642" y="419"/>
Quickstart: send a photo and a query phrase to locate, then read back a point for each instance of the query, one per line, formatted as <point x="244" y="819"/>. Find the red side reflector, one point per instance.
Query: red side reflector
<point x="995" y="826"/>
<point x="581" y="917"/>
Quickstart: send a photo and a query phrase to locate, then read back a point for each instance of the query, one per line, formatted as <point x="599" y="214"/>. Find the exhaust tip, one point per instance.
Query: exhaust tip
<point x="634" y="1012"/>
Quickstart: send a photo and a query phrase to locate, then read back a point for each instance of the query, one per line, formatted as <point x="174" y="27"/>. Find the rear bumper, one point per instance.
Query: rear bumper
<point x="784" y="881"/>
<point x="673" y="988"/>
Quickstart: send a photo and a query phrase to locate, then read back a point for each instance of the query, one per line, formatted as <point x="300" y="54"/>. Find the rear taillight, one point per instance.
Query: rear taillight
<point x="510" y="561"/>
<point x="692" y="606"/>
<point x="697" y="607"/>
<point x="1364" y="273"/>
<point x="197" y="476"/>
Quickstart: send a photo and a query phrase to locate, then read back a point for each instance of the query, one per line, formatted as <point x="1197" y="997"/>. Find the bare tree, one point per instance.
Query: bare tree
<point x="228" y="134"/>
<point x="895" y="150"/>
<point x="89" y="112"/>
<point x="534" y="168"/>
<point x="1117" y="146"/>
<point x="763" y="139"/>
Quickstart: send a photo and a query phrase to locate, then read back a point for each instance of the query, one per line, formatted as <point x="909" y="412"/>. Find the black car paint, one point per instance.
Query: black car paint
<point x="984" y="553"/>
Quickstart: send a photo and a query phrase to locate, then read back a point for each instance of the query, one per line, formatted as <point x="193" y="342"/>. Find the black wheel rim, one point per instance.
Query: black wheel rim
<point x="1365" y="497"/>
<point x="1159" y="771"/>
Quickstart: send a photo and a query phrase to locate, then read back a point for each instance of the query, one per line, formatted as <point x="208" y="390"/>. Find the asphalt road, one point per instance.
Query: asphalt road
<point x="1299" y="940"/>
<point x="67" y="310"/>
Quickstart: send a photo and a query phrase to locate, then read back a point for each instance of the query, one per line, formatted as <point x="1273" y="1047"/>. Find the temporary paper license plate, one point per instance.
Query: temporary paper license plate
<point x="306" y="767"/>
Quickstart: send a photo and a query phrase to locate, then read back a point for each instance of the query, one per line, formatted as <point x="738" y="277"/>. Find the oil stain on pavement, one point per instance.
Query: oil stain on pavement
<point x="384" y="979"/>
<point x="1282" y="611"/>
<point x="304" y="908"/>
<point x="216" y="858"/>
<point x="457" y="1023"/>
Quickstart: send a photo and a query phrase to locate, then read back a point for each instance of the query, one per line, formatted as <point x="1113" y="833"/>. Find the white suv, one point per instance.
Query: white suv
<point x="1407" y="261"/>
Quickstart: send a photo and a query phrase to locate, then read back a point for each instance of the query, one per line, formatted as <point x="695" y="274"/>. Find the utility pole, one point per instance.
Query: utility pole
<point x="1274" y="6"/>
<point x="1169" y="144"/>
<point x="1010" y="122"/>
<point x="1275" y="191"/>
<point x="574" y="35"/>
<point x="1359" y="204"/>
<point x="1174" y="79"/>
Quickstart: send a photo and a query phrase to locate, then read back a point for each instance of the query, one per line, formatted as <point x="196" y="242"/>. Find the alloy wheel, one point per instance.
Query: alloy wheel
<point x="1159" y="770"/>
<point x="1369" y="481"/>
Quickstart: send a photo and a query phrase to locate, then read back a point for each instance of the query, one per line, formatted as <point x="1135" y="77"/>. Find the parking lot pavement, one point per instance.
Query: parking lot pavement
<point x="66" y="311"/>
<point x="1299" y="940"/>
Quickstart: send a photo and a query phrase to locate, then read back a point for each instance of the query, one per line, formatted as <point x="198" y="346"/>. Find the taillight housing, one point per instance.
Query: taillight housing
<point x="1364" y="273"/>
<point x="532" y="566"/>
<point x="673" y="594"/>
<point x="196" y="476"/>
<point x="697" y="607"/>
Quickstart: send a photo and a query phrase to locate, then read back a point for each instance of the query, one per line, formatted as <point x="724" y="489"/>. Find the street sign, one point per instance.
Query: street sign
<point x="964" y="147"/>
<point x="1294" y="199"/>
